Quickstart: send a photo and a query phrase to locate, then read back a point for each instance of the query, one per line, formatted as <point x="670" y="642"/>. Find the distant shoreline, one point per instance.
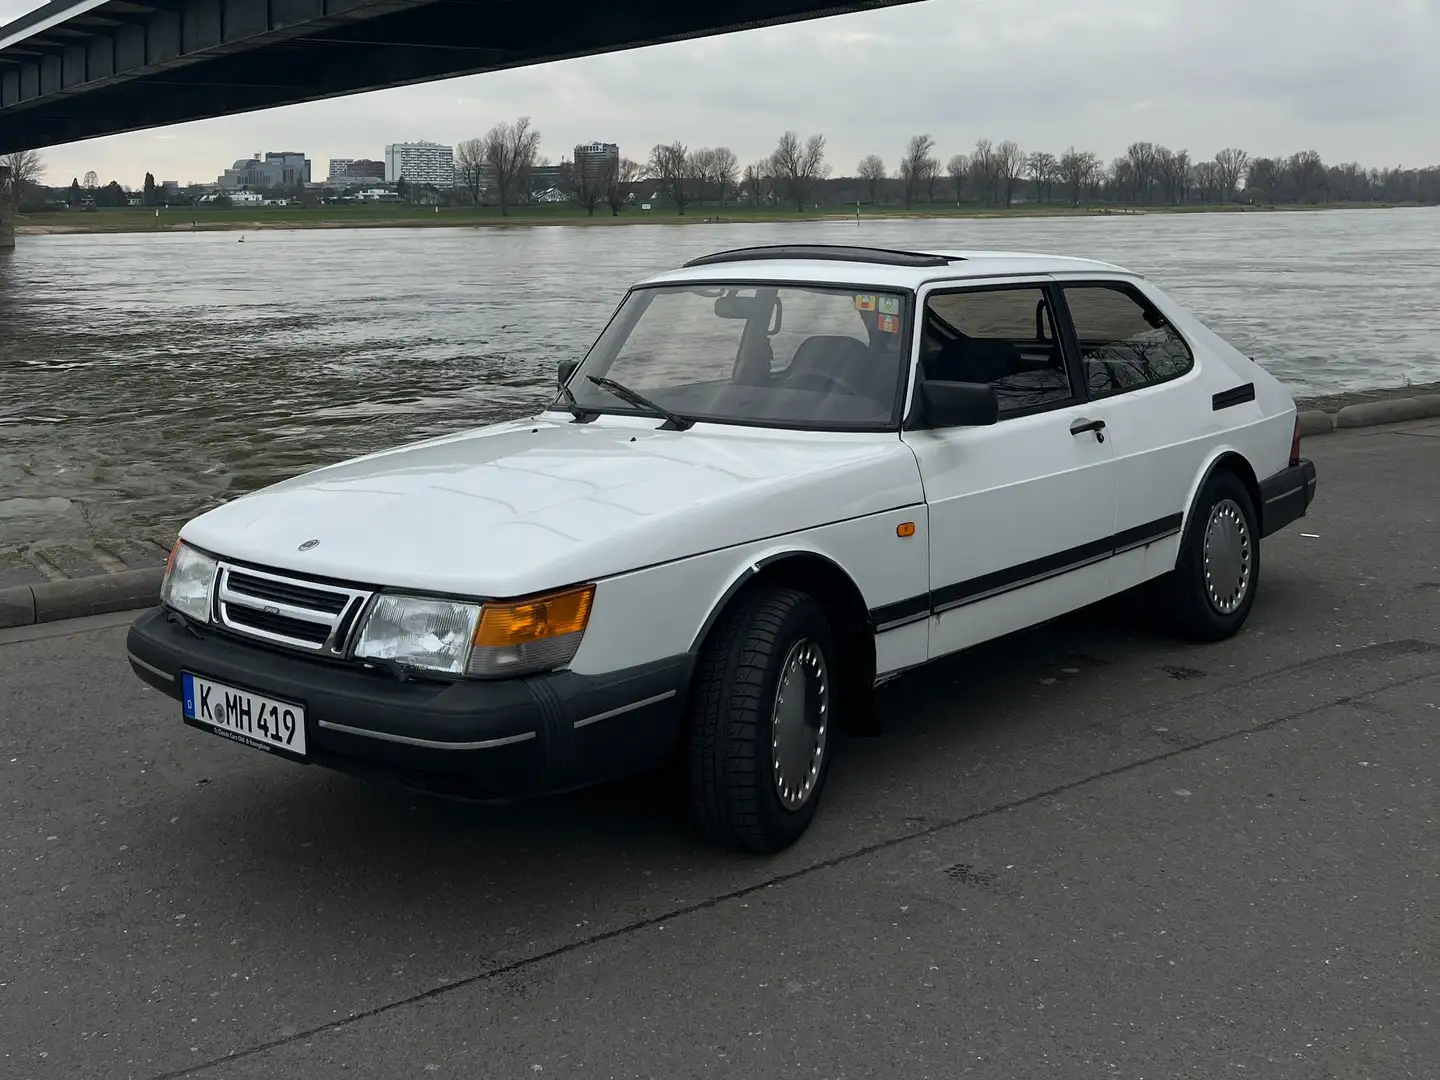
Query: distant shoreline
<point x="182" y="220"/>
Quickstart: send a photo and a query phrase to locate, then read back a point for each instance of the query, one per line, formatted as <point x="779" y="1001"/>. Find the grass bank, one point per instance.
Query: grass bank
<point x="135" y="220"/>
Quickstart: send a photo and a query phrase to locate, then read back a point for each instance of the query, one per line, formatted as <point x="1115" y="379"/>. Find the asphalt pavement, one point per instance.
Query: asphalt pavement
<point x="1084" y="851"/>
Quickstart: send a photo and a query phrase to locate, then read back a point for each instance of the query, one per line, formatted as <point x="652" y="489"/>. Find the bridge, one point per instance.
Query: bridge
<point x="77" y="69"/>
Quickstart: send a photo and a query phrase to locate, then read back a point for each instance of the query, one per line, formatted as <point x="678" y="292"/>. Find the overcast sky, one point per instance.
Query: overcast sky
<point x="1353" y="79"/>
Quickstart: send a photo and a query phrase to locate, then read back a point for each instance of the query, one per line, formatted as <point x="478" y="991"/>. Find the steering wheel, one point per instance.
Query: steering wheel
<point x="829" y="376"/>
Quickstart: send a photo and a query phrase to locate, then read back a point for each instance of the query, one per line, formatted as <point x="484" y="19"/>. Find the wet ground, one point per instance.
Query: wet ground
<point x="1085" y="851"/>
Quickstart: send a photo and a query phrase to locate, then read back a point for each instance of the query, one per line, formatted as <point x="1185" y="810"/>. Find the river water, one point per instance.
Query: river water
<point x="146" y="378"/>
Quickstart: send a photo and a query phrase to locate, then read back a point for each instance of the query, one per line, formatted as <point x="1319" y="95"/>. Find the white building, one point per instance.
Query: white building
<point x="420" y="163"/>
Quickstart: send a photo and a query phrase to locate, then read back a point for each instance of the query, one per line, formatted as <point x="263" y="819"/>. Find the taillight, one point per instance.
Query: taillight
<point x="1295" y="445"/>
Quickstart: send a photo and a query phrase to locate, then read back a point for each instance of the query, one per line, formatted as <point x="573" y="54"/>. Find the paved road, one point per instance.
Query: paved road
<point x="1083" y="852"/>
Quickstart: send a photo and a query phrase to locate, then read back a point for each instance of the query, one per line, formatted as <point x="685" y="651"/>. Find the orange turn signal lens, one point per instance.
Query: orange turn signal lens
<point x="174" y="551"/>
<point x="905" y="528"/>
<point x="503" y="625"/>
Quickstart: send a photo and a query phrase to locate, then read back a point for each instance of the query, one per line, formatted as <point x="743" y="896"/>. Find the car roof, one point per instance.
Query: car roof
<point x="823" y="264"/>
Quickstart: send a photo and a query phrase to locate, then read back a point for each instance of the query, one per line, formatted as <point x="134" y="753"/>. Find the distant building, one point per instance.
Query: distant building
<point x="596" y="161"/>
<point x="420" y="163"/>
<point x="284" y="169"/>
<point x="355" y="170"/>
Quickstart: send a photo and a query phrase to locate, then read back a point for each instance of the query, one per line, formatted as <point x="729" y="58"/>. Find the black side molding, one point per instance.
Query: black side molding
<point x="1238" y="396"/>
<point x="960" y="593"/>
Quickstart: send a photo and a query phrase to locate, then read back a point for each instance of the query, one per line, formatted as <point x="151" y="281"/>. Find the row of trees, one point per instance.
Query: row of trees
<point x="997" y="175"/>
<point x="500" y="167"/>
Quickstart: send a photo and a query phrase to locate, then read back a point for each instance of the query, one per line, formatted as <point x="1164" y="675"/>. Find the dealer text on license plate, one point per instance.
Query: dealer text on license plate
<point x="255" y="720"/>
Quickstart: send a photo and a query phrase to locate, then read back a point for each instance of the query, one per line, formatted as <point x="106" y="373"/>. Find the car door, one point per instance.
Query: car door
<point x="1137" y="370"/>
<point x="1022" y="512"/>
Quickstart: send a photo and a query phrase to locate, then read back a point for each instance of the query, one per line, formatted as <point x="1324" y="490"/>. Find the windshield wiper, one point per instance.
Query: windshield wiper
<point x="576" y="409"/>
<point x="624" y="393"/>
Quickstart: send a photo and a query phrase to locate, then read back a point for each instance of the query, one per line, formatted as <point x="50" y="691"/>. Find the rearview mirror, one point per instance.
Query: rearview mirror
<point x="567" y="368"/>
<point x="958" y="404"/>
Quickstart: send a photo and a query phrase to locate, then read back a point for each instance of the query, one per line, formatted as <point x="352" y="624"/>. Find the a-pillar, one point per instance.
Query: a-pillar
<point x="7" y="211"/>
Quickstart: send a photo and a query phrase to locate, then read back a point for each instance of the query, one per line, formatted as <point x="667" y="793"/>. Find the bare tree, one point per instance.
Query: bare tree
<point x="1265" y="175"/>
<point x="26" y="168"/>
<point x="624" y="174"/>
<point x="799" y="167"/>
<point x="1306" y="171"/>
<point x="913" y="165"/>
<point x="92" y="180"/>
<point x="1008" y="163"/>
<point x="757" y="181"/>
<point x="1042" y="169"/>
<point x="1142" y="159"/>
<point x="724" y="167"/>
<point x="932" y="177"/>
<point x="470" y="166"/>
<point x="1172" y="167"/>
<point x="511" y="151"/>
<point x="1075" y="169"/>
<point x="1207" y="180"/>
<point x="872" y="171"/>
<point x="1232" y="164"/>
<point x="982" y="170"/>
<point x="958" y="167"/>
<point x="672" y="167"/>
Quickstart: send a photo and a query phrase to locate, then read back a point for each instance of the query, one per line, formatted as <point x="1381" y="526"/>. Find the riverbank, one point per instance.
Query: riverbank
<point x="375" y="216"/>
<point x="50" y="580"/>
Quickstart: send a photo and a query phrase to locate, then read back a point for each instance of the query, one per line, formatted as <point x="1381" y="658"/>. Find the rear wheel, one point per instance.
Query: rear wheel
<point x="1212" y="588"/>
<point x="760" y="723"/>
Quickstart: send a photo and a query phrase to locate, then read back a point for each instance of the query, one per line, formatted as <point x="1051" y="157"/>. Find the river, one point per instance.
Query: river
<point x="144" y="378"/>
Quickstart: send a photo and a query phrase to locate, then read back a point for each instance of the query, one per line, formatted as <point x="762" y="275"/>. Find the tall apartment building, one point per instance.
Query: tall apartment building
<point x="596" y="160"/>
<point x="420" y="163"/>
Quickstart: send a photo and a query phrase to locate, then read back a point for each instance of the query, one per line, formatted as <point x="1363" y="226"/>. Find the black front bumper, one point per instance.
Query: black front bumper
<point x="500" y="739"/>
<point x="1286" y="496"/>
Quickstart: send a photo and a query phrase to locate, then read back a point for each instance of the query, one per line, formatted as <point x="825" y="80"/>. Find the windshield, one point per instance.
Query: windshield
<point x="779" y="355"/>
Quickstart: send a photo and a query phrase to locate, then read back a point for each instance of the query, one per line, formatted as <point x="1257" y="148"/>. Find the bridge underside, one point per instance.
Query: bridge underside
<point x="110" y="66"/>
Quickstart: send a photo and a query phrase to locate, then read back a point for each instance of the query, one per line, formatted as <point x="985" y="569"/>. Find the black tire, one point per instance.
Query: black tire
<point x="1189" y="606"/>
<point x="734" y="796"/>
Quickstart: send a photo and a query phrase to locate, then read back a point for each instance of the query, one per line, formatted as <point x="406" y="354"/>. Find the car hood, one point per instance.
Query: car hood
<point x="527" y="505"/>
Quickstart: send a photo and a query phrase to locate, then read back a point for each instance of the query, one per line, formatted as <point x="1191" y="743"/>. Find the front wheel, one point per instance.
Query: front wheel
<point x="1212" y="587"/>
<point x="760" y="722"/>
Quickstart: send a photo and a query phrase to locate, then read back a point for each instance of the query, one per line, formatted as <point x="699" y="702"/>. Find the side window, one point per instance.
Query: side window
<point x="1125" y="343"/>
<point x="1002" y="336"/>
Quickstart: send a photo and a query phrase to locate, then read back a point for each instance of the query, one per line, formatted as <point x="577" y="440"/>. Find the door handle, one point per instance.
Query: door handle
<point x="1079" y="427"/>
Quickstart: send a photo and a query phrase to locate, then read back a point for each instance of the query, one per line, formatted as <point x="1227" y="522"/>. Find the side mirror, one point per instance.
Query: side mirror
<point x="567" y="368"/>
<point x="958" y="404"/>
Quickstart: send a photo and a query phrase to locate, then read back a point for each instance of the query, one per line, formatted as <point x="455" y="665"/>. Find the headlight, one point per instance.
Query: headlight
<point x="189" y="577"/>
<point x="433" y="634"/>
<point x="490" y="640"/>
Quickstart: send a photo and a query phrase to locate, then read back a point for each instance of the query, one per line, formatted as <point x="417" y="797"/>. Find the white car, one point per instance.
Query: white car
<point x="780" y="477"/>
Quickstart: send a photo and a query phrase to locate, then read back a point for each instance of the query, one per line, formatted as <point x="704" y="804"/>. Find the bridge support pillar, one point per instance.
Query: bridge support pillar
<point x="7" y="210"/>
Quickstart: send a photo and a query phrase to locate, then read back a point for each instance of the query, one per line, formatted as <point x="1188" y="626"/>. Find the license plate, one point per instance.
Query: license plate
<point x="253" y="719"/>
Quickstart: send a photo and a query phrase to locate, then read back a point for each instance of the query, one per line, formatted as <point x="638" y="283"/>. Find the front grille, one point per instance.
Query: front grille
<point x="332" y="603"/>
<point x="308" y="632"/>
<point x="294" y="612"/>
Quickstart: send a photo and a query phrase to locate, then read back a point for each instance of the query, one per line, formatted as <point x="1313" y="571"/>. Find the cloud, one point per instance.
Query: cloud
<point x="1350" y="79"/>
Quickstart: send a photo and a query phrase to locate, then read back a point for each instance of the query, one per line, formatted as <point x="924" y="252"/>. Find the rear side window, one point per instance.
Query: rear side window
<point x="1125" y="343"/>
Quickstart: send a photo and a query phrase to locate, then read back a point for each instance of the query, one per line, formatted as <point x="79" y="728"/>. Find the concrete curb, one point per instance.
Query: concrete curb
<point x="138" y="587"/>
<point x="1370" y="414"/>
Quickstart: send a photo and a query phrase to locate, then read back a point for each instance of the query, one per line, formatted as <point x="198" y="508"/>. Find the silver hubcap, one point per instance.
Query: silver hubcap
<point x="800" y="723"/>
<point x="1227" y="557"/>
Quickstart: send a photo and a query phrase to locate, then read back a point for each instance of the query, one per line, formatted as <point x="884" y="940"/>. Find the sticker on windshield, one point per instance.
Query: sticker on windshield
<point x="890" y="305"/>
<point x="888" y="324"/>
<point x="865" y="303"/>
